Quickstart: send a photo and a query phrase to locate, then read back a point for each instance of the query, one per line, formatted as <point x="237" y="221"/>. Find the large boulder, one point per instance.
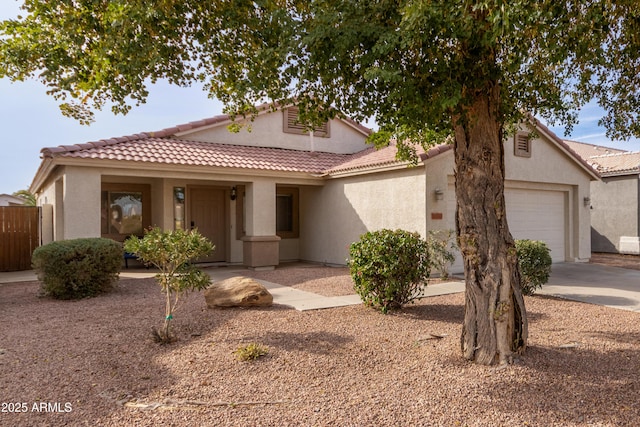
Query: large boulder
<point x="237" y="292"/>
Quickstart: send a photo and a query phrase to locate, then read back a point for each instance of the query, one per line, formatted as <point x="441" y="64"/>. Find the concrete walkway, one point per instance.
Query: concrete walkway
<point x="590" y="283"/>
<point x="303" y="301"/>
<point x="595" y="284"/>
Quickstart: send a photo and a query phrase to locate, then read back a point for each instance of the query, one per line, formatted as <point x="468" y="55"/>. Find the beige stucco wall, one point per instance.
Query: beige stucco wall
<point x="334" y="216"/>
<point x="548" y="168"/>
<point x="615" y="211"/>
<point x="267" y="131"/>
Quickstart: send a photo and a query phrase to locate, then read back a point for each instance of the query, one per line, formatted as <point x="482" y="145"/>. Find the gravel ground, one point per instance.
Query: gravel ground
<point x="92" y="362"/>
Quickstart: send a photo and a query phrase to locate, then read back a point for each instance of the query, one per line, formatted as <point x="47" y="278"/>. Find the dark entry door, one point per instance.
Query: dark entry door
<point x="208" y="214"/>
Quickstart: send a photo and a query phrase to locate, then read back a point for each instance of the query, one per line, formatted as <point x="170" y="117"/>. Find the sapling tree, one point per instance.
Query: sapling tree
<point x="172" y="253"/>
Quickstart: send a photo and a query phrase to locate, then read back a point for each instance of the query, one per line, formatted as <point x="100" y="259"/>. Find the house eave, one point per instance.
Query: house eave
<point x="173" y="171"/>
<point x="374" y="169"/>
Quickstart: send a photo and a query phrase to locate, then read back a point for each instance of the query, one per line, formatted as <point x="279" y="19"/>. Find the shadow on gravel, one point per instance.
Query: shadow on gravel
<point x="573" y="386"/>
<point x="321" y="343"/>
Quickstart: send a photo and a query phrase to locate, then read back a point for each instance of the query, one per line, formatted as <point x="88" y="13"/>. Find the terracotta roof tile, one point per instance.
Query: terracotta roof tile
<point x="606" y="160"/>
<point x="586" y="151"/>
<point x="617" y="164"/>
<point x="383" y="157"/>
<point x="181" y="152"/>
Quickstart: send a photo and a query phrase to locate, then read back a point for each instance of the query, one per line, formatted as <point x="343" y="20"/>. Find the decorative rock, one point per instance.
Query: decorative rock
<point x="237" y="292"/>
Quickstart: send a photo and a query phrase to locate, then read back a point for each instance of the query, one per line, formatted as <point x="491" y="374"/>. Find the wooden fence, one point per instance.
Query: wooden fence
<point x="19" y="236"/>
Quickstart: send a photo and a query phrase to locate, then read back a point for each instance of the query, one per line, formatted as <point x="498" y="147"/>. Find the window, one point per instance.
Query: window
<point x="522" y="144"/>
<point x="125" y="210"/>
<point x="291" y="124"/>
<point x="287" y="212"/>
<point x="241" y="213"/>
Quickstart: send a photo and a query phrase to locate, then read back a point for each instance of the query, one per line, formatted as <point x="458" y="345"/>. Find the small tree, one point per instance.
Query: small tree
<point x="172" y="253"/>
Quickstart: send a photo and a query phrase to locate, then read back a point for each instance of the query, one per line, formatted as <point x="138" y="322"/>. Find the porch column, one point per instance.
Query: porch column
<point x="81" y="203"/>
<point x="261" y="245"/>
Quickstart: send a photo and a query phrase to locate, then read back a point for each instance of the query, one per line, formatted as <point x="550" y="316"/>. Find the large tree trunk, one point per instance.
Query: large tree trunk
<point x="495" y="322"/>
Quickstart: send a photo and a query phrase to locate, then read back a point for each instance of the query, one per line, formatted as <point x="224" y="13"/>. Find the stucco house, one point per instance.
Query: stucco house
<point x="615" y="199"/>
<point x="9" y="200"/>
<point x="279" y="194"/>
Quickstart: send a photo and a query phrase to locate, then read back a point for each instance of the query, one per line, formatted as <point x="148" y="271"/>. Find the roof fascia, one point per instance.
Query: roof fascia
<point x="595" y="176"/>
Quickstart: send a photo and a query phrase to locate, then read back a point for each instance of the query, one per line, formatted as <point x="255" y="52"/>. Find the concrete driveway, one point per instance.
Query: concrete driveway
<point x="596" y="284"/>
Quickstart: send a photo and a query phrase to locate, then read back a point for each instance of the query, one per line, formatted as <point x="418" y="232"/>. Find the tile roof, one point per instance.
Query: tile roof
<point x="617" y="164"/>
<point x="606" y="160"/>
<point x="194" y="153"/>
<point x="585" y="150"/>
<point x="386" y="156"/>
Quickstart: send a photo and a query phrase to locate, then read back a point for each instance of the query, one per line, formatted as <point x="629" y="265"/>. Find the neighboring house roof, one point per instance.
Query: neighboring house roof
<point x="9" y="200"/>
<point x="606" y="160"/>
<point x="586" y="151"/>
<point x="617" y="164"/>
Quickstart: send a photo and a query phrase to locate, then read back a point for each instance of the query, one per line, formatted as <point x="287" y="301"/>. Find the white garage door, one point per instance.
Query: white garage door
<point x="538" y="215"/>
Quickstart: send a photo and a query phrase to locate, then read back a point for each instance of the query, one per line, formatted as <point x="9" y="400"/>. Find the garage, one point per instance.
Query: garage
<point x="538" y="215"/>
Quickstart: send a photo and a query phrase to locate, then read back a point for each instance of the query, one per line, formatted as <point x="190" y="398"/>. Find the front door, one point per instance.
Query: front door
<point x="207" y="207"/>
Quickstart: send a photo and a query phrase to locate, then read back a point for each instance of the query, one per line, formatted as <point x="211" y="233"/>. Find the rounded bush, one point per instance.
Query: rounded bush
<point x="534" y="263"/>
<point x="389" y="268"/>
<point x="78" y="268"/>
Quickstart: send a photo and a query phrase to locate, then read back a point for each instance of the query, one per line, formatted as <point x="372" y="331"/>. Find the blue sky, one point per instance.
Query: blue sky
<point x="31" y="120"/>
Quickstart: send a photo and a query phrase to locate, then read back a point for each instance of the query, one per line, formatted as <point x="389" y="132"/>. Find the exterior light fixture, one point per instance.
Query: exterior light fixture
<point x="234" y="193"/>
<point x="439" y="194"/>
<point x="587" y="201"/>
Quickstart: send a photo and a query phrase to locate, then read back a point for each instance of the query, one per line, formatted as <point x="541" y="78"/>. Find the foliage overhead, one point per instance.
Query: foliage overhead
<point x="29" y="198"/>
<point x="412" y="64"/>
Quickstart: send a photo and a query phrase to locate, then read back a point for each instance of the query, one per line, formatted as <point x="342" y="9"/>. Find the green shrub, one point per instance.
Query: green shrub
<point x="441" y="246"/>
<point x="534" y="263"/>
<point x="172" y="252"/>
<point x="78" y="268"/>
<point x="389" y="268"/>
<point x="251" y="352"/>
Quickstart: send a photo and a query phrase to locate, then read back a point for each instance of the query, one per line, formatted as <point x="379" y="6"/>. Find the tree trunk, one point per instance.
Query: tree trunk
<point x="495" y="322"/>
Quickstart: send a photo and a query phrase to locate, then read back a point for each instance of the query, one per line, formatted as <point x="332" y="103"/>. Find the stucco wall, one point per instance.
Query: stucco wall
<point x="267" y="131"/>
<point x="81" y="202"/>
<point x="548" y="168"/>
<point x="615" y="211"/>
<point x="334" y="216"/>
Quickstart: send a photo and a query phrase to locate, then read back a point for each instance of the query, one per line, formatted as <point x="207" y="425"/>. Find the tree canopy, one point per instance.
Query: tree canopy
<point x="411" y="64"/>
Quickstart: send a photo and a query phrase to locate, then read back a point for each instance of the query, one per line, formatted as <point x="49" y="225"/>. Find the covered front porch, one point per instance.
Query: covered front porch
<point x="253" y="221"/>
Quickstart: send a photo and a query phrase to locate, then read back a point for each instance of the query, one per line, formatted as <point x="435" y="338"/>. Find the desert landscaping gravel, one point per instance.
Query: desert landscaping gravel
<point x="92" y="362"/>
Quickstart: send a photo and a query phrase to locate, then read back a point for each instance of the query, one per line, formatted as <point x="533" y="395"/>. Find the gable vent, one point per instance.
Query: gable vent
<point x="522" y="144"/>
<point x="291" y="124"/>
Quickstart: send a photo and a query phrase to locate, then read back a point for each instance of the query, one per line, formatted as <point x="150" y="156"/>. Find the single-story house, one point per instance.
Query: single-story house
<point x="615" y="199"/>
<point x="9" y="200"/>
<point x="278" y="193"/>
